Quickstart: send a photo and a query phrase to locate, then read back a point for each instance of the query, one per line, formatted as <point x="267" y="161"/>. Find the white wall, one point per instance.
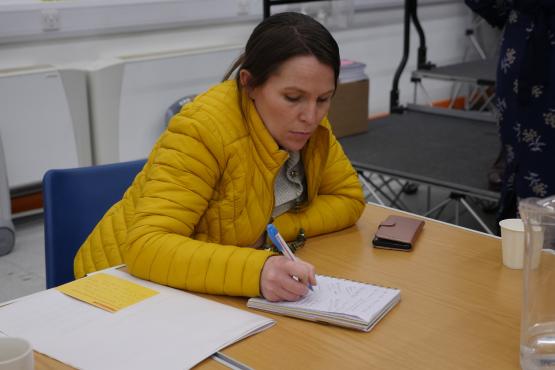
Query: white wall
<point x="376" y="39"/>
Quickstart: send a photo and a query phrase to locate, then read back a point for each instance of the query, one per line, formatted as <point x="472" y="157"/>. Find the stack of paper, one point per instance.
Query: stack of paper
<point x="168" y="330"/>
<point x="338" y="301"/>
<point x="352" y="71"/>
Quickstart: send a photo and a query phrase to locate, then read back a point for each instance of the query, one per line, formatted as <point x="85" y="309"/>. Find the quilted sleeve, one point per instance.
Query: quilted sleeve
<point x="179" y="185"/>
<point x="339" y="201"/>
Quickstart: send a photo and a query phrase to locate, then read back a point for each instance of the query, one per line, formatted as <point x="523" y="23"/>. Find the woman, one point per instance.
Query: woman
<point x="525" y="96"/>
<point x="249" y="151"/>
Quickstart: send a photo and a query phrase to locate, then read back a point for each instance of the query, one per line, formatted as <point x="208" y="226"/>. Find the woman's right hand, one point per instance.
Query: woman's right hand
<point x="277" y="282"/>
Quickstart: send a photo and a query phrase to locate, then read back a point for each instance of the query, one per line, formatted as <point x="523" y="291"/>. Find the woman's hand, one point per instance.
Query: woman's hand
<point x="277" y="282"/>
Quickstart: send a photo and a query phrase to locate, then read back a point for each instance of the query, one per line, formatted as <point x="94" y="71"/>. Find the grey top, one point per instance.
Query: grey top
<point x="289" y="187"/>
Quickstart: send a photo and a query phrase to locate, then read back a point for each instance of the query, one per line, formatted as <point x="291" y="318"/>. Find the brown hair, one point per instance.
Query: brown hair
<point x="277" y="39"/>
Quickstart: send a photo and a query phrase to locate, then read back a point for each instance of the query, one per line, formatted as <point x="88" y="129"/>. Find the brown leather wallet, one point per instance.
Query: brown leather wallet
<point x="397" y="232"/>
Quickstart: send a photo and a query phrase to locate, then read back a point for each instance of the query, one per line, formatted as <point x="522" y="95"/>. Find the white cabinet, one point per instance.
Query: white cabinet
<point x="129" y="97"/>
<point x="43" y="122"/>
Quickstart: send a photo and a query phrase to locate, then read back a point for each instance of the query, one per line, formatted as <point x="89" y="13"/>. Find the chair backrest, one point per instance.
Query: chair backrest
<point x="75" y="200"/>
<point x="176" y="107"/>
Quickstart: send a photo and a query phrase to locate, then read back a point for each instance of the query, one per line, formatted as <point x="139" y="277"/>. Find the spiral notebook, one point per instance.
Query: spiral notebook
<point x="337" y="301"/>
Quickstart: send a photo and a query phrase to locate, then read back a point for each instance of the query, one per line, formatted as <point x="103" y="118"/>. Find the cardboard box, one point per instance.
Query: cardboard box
<point x="348" y="113"/>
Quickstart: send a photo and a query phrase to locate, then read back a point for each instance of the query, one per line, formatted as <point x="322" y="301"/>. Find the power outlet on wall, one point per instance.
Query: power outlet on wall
<point x="50" y="19"/>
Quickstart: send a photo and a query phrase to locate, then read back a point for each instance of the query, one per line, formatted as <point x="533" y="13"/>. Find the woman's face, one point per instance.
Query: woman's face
<point x="294" y="100"/>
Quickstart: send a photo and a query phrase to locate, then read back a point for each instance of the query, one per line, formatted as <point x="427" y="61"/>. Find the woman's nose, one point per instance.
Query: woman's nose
<point x="310" y="114"/>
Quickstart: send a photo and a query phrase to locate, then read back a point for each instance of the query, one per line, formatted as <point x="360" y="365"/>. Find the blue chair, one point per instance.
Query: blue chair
<point x="75" y="200"/>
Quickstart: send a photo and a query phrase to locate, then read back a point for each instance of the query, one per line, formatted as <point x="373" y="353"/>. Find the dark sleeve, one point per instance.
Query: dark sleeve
<point x="495" y="12"/>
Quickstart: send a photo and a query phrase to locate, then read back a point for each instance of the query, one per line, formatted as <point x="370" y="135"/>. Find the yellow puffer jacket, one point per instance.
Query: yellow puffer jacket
<point x="207" y="192"/>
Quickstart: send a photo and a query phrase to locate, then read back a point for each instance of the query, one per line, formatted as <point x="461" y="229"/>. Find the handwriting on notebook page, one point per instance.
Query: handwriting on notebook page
<point x="343" y="296"/>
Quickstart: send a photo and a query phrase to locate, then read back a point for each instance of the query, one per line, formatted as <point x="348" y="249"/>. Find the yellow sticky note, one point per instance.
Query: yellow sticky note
<point x="108" y="292"/>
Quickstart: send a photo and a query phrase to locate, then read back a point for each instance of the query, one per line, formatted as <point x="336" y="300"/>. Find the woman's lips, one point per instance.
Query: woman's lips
<point x="300" y="133"/>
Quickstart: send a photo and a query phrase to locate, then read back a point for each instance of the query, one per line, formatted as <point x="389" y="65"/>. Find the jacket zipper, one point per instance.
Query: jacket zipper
<point x="269" y="215"/>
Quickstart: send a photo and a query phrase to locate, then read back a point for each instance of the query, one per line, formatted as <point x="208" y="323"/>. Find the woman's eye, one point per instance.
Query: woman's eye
<point x="323" y="100"/>
<point x="292" y="98"/>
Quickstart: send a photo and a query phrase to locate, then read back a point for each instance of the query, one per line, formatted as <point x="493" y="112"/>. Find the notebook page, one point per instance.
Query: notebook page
<point x="344" y="297"/>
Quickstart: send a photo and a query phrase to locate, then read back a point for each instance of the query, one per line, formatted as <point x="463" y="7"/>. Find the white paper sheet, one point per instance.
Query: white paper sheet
<point x="172" y="330"/>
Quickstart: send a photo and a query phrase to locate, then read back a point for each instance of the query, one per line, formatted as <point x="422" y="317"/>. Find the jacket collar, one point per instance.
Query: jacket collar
<point x="265" y="145"/>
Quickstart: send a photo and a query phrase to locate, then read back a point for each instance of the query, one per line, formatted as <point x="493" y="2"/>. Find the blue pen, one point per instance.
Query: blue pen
<point x="281" y="245"/>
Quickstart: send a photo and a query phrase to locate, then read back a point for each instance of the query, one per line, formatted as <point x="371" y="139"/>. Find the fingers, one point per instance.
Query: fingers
<point x="308" y="274"/>
<point x="281" y="294"/>
<point x="295" y="286"/>
<point x="277" y="280"/>
<point x="304" y="271"/>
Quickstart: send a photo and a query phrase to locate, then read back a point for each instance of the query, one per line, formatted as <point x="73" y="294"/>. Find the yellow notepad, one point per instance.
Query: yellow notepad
<point x="108" y="292"/>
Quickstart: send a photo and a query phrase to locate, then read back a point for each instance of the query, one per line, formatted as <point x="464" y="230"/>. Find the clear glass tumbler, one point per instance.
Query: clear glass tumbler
<point x="537" y="331"/>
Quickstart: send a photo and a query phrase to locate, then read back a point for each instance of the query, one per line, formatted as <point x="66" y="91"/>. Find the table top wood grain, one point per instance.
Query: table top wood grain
<point x="459" y="308"/>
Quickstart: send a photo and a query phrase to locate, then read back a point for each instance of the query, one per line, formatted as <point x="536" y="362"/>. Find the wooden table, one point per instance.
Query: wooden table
<point x="459" y="309"/>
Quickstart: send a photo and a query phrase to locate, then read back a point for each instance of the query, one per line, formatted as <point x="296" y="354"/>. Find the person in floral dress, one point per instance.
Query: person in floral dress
<point x="525" y="96"/>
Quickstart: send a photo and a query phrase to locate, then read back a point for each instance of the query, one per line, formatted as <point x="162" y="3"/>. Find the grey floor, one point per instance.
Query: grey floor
<point x="22" y="271"/>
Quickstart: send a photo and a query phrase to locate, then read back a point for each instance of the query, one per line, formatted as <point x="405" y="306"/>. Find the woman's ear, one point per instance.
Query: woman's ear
<point x="245" y="78"/>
